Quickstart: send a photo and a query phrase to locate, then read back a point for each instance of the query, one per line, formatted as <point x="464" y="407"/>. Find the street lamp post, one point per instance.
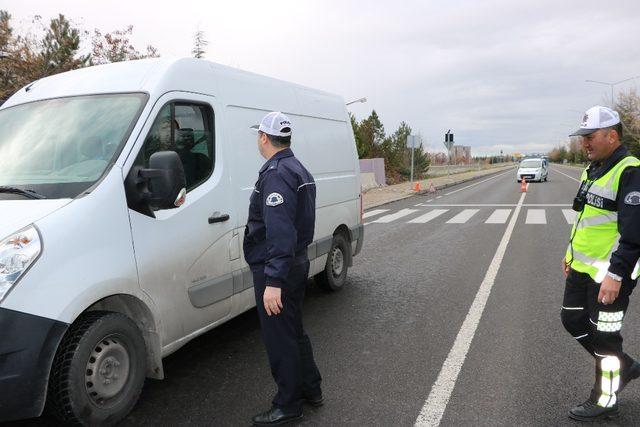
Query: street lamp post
<point x="357" y="100"/>
<point x="612" y="85"/>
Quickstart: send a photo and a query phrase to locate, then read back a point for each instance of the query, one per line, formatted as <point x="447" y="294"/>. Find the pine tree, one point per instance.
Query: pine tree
<point x="199" y="45"/>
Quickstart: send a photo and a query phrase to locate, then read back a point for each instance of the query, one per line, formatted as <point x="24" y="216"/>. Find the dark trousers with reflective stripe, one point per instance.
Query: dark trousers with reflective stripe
<point x="582" y="318"/>
<point x="288" y="346"/>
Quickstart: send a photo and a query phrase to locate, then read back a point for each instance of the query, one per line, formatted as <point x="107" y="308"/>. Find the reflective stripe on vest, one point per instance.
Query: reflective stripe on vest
<point x="595" y="233"/>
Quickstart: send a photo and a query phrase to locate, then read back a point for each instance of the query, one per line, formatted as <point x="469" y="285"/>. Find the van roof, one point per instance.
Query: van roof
<point x="160" y="75"/>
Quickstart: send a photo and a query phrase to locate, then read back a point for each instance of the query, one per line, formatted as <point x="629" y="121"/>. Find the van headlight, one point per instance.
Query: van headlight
<point x="17" y="253"/>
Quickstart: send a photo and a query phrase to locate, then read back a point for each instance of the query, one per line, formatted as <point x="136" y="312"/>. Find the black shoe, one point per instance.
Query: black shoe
<point x="275" y="417"/>
<point x="629" y="374"/>
<point x="315" y="400"/>
<point x="590" y="411"/>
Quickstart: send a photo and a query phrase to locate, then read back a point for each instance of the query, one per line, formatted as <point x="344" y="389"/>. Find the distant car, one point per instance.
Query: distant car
<point x="533" y="170"/>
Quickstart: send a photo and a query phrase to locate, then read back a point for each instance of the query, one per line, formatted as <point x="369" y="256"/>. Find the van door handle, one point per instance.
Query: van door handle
<point x="218" y="218"/>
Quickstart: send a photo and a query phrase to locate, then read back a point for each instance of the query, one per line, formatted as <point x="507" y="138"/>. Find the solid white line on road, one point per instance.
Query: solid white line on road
<point x="496" y="205"/>
<point x="463" y="216"/>
<point x="481" y="205"/>
<point x="570" y="215"/>
<point x="392" y="217"/>
<point x="436" y="403"/>
<point x="478" y="183"/>
<point x="536" y="216"/>
<point x="545" y="205"/>
<point x="428" y="216"/>
<point x="374" y="213"/>
<point x="568" y="176"/>
<point x="499" y="216"/>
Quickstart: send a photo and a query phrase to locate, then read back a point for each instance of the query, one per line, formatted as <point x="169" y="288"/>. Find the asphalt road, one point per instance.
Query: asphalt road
<point x="382" y="342"/>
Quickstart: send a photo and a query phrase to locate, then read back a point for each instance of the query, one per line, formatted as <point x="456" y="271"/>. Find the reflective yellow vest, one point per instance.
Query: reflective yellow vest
<point x="595" y="232"/>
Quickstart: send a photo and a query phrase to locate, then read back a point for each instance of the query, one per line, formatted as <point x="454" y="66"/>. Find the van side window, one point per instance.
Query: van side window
<point x="187" y="129"/>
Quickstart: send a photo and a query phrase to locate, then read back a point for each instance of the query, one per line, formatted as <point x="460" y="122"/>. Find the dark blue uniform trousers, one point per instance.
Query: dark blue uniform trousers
<point x="582" y="292"/>
<point x="288" y="346"/>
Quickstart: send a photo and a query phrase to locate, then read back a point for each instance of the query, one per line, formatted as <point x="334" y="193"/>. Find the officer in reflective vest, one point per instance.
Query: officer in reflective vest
<point x="601" y="262"/>
<point x="281" y="224"/>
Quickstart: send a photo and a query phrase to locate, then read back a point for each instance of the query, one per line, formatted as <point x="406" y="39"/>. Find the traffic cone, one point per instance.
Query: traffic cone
<point x="523" y="187"/>
<point x="432" y="189"/>
<point x="416" y="187"/>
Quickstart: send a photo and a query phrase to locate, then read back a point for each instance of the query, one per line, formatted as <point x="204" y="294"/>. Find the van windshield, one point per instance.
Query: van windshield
<point x="59" y="148"/>
<point x="531" y="164"/>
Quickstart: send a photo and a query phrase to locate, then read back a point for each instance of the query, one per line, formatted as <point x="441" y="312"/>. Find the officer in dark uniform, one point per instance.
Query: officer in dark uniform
<point x="601" y="262"/>
<point x="280" y="227"/>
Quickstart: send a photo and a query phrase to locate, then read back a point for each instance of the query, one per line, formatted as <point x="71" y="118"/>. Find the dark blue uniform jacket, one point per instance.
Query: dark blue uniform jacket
<point x="282" y="215"/>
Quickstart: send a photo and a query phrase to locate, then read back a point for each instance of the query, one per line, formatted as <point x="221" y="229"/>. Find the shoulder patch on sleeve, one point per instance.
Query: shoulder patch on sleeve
<point x="275" y="199"/>
<point x="632" y="198"/>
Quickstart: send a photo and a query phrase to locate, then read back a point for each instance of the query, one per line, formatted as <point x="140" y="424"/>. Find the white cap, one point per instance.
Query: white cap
<point x="595" y="118"/>
<point x="275" y="124"/>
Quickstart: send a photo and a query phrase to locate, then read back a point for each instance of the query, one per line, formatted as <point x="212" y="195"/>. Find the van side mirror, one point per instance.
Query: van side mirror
<point x="167" y="184"/>
<point x="161" y="186"/>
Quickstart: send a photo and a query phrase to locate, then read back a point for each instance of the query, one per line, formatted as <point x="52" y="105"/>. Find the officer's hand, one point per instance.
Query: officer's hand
<point x="272" y="300"/>
<point x="565" y="267"/>
<point x="609" y="290"/>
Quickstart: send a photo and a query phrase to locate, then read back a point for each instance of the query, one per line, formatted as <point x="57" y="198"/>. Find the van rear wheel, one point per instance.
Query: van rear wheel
<point x="99" y="370"/>
<point x="335" y="271"/>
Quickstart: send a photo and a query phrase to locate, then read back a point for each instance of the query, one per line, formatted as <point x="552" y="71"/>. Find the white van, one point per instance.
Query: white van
<point x="533" y="170"/>
<point x="124" y="193"/>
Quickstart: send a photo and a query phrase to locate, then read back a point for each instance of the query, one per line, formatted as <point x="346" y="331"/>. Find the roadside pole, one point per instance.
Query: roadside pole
<point x="411" y="143"/>
<point x="448" y="143"/>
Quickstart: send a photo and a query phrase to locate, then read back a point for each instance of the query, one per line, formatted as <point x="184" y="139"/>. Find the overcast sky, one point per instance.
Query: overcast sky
<point x="504" y="75"/>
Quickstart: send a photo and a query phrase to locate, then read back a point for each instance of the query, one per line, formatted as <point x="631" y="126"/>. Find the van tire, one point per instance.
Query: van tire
<point x="101" y="340"/>
<point x="334" y="275"/>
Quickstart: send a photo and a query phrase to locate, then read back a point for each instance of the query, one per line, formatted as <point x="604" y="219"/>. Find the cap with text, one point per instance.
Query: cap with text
<point x="595" y="118"/>
<point x="275" y="124"/>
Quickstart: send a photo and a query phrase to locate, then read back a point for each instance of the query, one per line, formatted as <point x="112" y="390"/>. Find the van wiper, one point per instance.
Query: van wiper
<point x="26" y="192"/>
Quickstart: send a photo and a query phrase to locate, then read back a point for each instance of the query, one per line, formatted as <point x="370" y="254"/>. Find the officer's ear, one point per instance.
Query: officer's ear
<point x="614" y="136"/>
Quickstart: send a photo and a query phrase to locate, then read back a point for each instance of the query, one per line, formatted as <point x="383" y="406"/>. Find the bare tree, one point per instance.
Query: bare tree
<point x="116" y="47"/>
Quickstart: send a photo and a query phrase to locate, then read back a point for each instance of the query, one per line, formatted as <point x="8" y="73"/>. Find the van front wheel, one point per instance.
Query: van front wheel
<point x="335" y="271"/>
<point x="99" y="370"/>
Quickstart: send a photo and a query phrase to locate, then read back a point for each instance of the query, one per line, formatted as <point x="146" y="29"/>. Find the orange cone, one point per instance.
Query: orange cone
<point x="416" y="187"/>
<point x="523" y="187"/>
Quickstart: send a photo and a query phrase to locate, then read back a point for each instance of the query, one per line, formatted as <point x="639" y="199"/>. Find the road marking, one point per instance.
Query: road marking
<point x="392" y="217"/>
<point x="463" y="216"/>
<point x="438" y="197"/>
<point x="496" y="205"/>
<point x="478" y="183"/>
<point x="536" y="216"/>
<point x="568" y="176"/>
<point x="428" y="216"/>
<point x="499" y="216"/>
<point x="569" y="215"/>
<point x="374" y="213"/>
<point x="436" y="403"/>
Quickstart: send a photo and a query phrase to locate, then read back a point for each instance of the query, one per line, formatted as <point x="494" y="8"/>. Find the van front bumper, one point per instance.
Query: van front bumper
<point x="28" y="344"/>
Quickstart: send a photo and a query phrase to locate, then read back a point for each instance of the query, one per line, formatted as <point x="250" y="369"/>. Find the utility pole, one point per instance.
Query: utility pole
<point x="612" y="85"/>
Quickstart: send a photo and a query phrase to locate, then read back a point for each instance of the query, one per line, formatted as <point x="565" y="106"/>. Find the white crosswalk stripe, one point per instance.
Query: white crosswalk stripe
<point x="569" y="215"/>
<point x="374" y="213"/>
<point x="463" y="216"/>
<point x="495" y="216"/>
<point x="392" y="217"/>
<point x="499" y="216"/>
<point x="428" y="216"/>
<point x="536" y="216"/>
